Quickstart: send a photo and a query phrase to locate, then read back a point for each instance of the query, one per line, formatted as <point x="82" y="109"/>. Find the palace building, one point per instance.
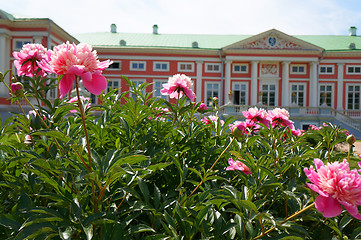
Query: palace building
<point x="316" y="77"/>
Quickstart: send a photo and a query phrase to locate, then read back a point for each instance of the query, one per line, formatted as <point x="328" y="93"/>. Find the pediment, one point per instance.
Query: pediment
<point x="272" y="40"/>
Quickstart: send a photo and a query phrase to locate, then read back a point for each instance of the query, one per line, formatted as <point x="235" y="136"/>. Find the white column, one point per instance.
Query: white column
<point x="313" y="85"/>
<point x="340" y="96"/>
<point x="285" y="84"/>
<point x="3" y="53"/>
<point x="199" y="81"/>
<point x="254" y="90"/>
<point x="227" y="84"/>
<point x="4" y="61"/>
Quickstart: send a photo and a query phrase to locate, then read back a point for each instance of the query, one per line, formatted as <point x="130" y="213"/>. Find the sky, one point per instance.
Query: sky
<point x="233" y="17"/>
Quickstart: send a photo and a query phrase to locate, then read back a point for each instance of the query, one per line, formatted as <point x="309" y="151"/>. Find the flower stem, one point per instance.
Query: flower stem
<point x="80" y="105"/>
<point x="210" y="169"/>
<point x="286" y="220"/>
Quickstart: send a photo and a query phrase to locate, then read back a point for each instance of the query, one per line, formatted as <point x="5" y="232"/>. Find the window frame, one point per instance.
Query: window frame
<point x="24" y="41"/>
<point x="246" y="92"/>
<point x="327" y="66"/>
<point x="347" y="96"/>
<point x="161" y="69"/>
<point x="297" y="92"/>
<point x="331" y="92"/>
<point x="131" y="68"/>
<point x="354" y="67"/>
<point x="276" y="92"/>
<point x="240" y="65"/>
<point x="115" y="69"/>
<point x="185" y="70"/>
<point x="212" y="70"/>
<point x="207" y="101"/>
<point x="161" y="81"/>
<point x="298" y="67"/>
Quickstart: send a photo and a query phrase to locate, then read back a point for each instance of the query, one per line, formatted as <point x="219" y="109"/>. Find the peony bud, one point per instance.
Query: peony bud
<point x="202" y="108"/>
<point x="236" y="132"/>
<point x="351" y="139"/>
<point x="18" y="89"/>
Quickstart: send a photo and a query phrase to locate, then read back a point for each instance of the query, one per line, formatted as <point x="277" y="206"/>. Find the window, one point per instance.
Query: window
<point x="240" y="68"/>
<point x="240" y="94"/>
<point x="161" y="66"/>
<point x="353" y="69"/>
<point x="185" y="67"/>
<point x="137" y="83"/>
<point x="353" y="97"/>
<point x="212" y="90"/>
<point x="298" y="69"/>
<point x="326" y="69"/>
<point x="115" y="66"/>
<point x="137" y="66"/>
<point x="113" y="84"/>
<point x="326" y="95"/>
<point x="52" y="93"/>
<point x="157" y="86"/>
<point x="213" y="67"/>
<point x="19" y="43"/>
<point x="268" y="94"/>
<point x="298" y="94"/>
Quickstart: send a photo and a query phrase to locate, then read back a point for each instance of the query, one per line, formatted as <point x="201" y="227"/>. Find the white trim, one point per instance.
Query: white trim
<point x="205" y="100"/>
<point x="138" y="58"/>
<point x="185" y="64"/>
<point x="137" y="69"/>
<point x="246" y="91"/>
<point x="161" y="65"/>
<point x="154" y="89"/>
<point x="304" y="93"/>
<point x="115" y="69"/>
<point x="298" y="68"/>
<point x="346" y="95"/>
<point x="354" y="67"/>
<point x="23" y="40"/>
<point x="213" y="65"/>
<point x="269" y="82"/>
<point x="326" y="66"/>
<point x="240" y="65"/>
<point x="332" y="85"/>
<point x="272" y="59"/>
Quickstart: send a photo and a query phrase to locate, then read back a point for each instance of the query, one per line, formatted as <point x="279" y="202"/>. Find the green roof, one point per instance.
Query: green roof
<point x="214" y="42"/>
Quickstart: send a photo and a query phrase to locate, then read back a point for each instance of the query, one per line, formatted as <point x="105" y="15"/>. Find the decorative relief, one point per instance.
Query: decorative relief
<point x="269" y="69"/>
<point x="272" y="41"/>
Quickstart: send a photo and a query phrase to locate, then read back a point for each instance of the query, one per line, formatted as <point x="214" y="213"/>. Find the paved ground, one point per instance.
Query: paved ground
<point x="357" y="148"/>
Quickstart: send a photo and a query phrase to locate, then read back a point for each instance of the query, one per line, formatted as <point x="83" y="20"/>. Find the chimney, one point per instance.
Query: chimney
<point x="113" y="28"/>
<point x="155" y="29"/>
<point x="352" y="31"/>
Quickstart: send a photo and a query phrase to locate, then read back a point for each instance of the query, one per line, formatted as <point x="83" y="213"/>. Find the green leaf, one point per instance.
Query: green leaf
<point x="144" y="189"/>
<point x="248" y="204"/>
<point x="88" y="230"/>
<point x="8" y="221"/>
<point x="140" y="228"/>
<point x="344" y="221"/>
<point x="356" y="233"/>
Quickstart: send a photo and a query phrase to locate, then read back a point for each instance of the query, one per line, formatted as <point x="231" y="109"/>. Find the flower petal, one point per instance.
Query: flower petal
<point x="65" y="84"/>
<point x="97" y="83"/>
<point x="328" y="206"/>
<point x="352" y="209"/>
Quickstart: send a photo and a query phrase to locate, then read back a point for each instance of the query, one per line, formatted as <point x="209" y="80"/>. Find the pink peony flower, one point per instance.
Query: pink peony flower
<point x="280" y="117"/>
<point x="209" y="119"/>
<point x="336" y="184"/>
<point x="238" y="128"/>
<point x="202" y="108"/>
<point x="17" y="89"/>
<point x="297" y="132"/>
<point x="177" y="85"/>
<point x="31" y="59"/>
<point x="255" y="115"/>
<point x="72" y="60"/>
<point x="84" y="100"/>
<point x="238" y="165"/>
<point x="314" y="127"/>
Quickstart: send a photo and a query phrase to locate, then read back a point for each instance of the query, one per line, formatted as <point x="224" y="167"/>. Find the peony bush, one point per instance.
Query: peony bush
<point x="153" y="169"/>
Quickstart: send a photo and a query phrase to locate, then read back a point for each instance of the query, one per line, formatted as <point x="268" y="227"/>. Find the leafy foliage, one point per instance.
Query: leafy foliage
<point x="156" y="174"/>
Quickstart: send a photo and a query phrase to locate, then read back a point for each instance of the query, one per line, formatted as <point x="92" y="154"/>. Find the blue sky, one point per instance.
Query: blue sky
<point x="294" y="17"/>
